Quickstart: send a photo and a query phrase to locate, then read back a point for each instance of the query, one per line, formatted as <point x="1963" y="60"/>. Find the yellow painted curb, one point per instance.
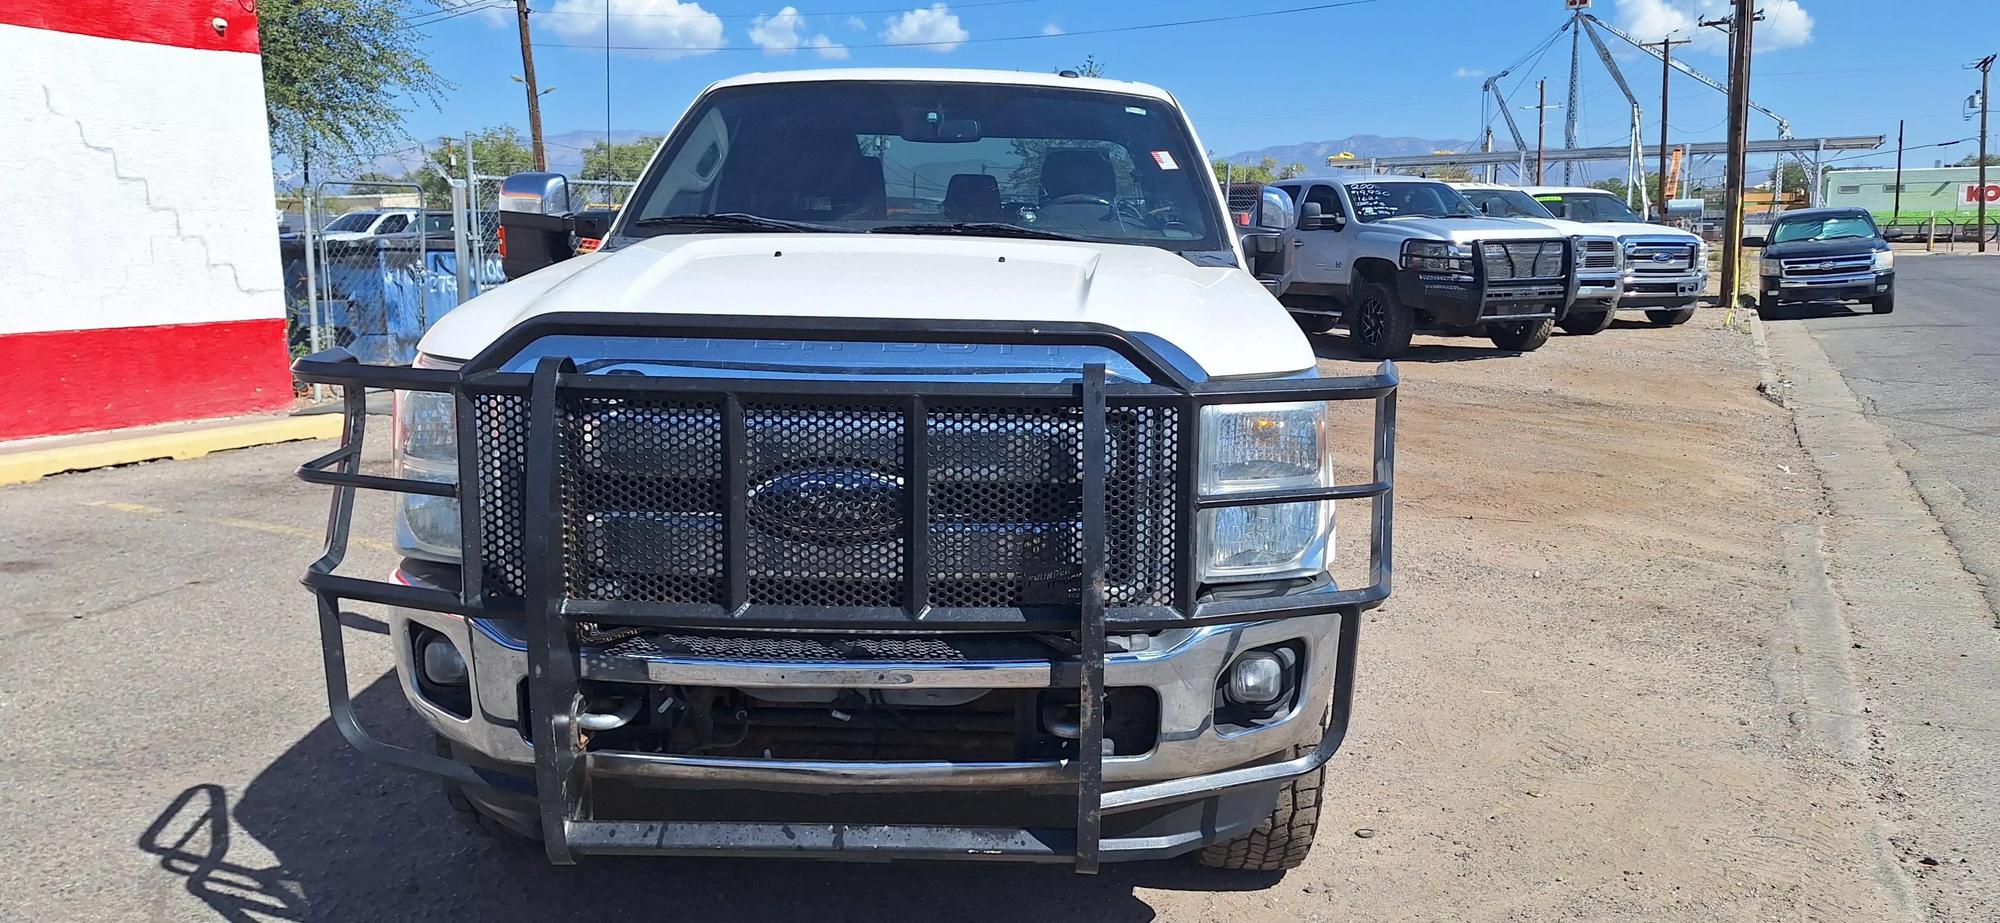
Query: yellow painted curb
<point x="22" y="466"/>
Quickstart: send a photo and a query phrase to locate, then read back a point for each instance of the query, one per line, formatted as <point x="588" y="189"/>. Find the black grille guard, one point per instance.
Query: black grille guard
<point x="548" y="617"/>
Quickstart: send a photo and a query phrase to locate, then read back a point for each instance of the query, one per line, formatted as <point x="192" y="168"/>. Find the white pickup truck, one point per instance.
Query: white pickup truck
<point x="1600" y="274"/>
<point x="918" y="470"/>
<point x="1666" y="268"/>
<point x="1388" y="255"/>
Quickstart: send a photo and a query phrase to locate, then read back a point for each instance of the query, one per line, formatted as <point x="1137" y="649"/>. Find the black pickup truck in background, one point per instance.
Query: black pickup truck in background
<point x="1826" y="254"/>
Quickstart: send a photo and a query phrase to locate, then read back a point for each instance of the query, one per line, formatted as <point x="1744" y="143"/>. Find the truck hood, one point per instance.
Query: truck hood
<point x="1637" y="229"/>
<point x="1223" y="319"/>
<point x="1467" y="230"/>
<point x="1849" y="246"/>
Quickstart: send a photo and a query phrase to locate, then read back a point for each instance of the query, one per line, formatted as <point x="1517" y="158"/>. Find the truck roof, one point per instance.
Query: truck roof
<point x="1564" y="190"/>
<point x="945" y="75"/>
<point x="1357" y="176"/>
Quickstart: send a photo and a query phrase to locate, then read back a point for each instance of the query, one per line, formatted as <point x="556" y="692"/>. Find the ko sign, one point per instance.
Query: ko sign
<point x="1971" y="193"/>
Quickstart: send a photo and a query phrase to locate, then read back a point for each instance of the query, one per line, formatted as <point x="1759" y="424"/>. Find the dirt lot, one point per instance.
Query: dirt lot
<point x="1587" y="699"/>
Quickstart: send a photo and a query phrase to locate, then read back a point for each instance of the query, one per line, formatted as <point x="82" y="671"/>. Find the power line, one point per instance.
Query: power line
<point x="1000" y="38"/>
<point x="801" y="14"/>
<point x="437" y="16"/>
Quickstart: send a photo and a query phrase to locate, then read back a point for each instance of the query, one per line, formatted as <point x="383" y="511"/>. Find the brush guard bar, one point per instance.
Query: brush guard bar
<point x="548" y="617"/>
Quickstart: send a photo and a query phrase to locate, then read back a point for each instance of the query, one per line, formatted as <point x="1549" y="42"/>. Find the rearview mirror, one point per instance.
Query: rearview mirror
<point x="1753" y="242"/>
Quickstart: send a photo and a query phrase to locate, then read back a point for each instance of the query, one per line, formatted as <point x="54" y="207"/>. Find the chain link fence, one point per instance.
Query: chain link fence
<point x="483" y="207"/>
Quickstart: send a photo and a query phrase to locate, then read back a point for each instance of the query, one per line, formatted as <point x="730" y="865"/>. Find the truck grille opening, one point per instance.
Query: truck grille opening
<point x="1600" y="254"/>
<point x="1661" y="258"/>
<point x="1523" y="259"/>
<point x="826" y="500"/>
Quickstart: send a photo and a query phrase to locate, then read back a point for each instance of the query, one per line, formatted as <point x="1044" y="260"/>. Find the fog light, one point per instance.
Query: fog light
<point x="441" y="662"/>
<point x="1256" y="678"/>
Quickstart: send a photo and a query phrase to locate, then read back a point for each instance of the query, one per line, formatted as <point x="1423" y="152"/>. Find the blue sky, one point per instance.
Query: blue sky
<point x="1386" y="67"/>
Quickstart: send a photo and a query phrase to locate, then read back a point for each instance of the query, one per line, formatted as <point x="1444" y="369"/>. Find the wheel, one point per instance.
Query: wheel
<point x="1282" y="840"/>
<point x="1585" y="324"/>
<point x="1524" y="337"/>
<point x="1671" y="317"/>
<point x="1315" y="323"/>
<point x="1378" y="323"/>
<point x="1884" y="304"/>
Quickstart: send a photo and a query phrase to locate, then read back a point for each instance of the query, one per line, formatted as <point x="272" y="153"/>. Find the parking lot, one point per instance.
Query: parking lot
<point x="1591" y="697"/>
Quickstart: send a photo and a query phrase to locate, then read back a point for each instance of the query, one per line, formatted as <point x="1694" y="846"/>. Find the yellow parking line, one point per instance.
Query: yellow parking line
<point x="270" y="528"/>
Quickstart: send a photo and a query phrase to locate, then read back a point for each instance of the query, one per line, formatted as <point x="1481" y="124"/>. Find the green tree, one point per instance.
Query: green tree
<point x="1972" y="160"/>
<point x="1263" y="171"/>
<point x="496" y="151"/>
<point x="1091" y="67"/>
<point x="1293" y="169"/>
<point x="604" y="160"/>
<point x="336" y="75"/>
<point x="1790" y="176"/>
<point x="1614" y="186"/>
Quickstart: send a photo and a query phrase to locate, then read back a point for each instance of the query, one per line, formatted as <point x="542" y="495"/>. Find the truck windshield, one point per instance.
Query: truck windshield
<point x="915" y="158"/>
<point x="1506" y="203"/>
<point x="1376" y="201"/>
<point x="1588" y="206"/>
<point x="1831" y="227"/>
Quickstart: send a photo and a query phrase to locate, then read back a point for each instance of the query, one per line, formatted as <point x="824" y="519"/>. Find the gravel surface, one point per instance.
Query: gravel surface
<point x="1575" y="707"/>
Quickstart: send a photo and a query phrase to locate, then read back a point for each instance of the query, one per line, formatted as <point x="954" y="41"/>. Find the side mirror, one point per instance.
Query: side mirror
<point x="1274" y="210"/>
<point x="1266" y="252"/>
<point x="1313" y="217"/>
<point x="1753" y="241"/>
<point x="534" y="222"/>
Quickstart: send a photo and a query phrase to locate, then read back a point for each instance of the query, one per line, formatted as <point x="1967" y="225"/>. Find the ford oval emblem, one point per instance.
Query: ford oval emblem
<point x="833" y="504"/>
<point x="1663" y="257"/>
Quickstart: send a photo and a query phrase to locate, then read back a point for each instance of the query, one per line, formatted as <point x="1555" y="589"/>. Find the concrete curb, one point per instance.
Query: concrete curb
<point x="39" y="458"/>
<point x="1768" y="382"/>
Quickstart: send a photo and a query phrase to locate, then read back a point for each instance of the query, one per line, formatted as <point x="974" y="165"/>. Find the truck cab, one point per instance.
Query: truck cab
<point x="1385" y="256"/>
<point x="1666" y="268"/>
<point x="1600" y="270"/>
<point x="918" y="469"/>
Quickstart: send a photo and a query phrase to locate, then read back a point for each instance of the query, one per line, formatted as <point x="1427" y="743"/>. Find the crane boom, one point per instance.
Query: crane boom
<point x="1513" y="128"/>
<point x="1784" y="125"/>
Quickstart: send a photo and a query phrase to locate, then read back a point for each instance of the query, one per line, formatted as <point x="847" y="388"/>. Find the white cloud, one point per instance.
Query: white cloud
<point x="1052" y="29"/>
<point x="1467" y="73"/>
<point x="827" y="48"/>
<point x="857" y="23"/>
<point x="778" y="34"/>
<point x="934" y="27"/>
<point x="1786" y="24"/>
<point x="669" y="28"/>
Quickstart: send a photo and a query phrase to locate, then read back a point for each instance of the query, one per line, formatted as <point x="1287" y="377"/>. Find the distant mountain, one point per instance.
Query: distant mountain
<point x="566" y="149"/>
<point x="1314" y="153"/>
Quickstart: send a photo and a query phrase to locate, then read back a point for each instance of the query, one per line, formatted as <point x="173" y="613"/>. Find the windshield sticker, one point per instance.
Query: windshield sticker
<point x="1166" y="160"/>
<point x="1134" y="110"/>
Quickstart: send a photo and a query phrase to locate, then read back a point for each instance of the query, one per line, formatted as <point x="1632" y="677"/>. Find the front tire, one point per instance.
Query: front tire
<point x="1885" y="304"/>
<point x="1525" y="337"/>
<point x="1585" y="324"/>
<point x="1671" y="317"/>
<point x="1378" y="322"/>
<point x="1282" y="839"/>
<point x="1315" y="323"/>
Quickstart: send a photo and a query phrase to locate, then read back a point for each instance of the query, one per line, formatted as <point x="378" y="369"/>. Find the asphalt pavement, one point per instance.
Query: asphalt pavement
<point x="1929" y="375"/>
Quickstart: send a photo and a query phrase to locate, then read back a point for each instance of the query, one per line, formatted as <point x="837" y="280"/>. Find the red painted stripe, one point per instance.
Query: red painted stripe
<point x="73" y="381"/>
<point x="181" y="23"/>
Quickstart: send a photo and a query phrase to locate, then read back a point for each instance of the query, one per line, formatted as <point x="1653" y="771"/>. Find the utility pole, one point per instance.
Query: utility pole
<point x="528" y="77"/>
<point x="1742" y="27"/>
<point x="1985" y="66"/>
<point x="1896" y="210"/>
<point x="1666" y="43"/>
<point x="1541" y="125"/>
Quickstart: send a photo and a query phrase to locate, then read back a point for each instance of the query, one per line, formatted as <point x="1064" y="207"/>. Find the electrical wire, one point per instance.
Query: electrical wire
<point x="440" y="15"/>
<point x="999" y="38"/>
<point x="801" y="14"/>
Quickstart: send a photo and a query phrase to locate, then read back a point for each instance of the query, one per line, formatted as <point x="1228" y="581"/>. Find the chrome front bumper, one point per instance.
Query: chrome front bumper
<point x="1181" y="666"/>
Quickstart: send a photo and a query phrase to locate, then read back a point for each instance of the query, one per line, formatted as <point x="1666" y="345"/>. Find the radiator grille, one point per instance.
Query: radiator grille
<point x="644" y="505"/>
<point x="1600" y="254"/>
<point x="1523" y="259"/>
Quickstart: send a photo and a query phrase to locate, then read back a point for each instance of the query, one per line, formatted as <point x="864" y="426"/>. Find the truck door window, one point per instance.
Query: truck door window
<point x="1328" y="201"/>
<point x="854" y="156"/>
<point x="393" y="224"/>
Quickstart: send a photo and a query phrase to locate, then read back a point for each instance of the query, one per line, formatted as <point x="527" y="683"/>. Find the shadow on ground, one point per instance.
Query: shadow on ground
<point x="353" y="839"/>
<point x="1337" y="346"/>
<point x="1809" y="310"/>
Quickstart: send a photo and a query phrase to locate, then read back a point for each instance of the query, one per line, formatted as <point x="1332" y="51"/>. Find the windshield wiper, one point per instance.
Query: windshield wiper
<point x="735" y="221"/>
<point x="976" y="229"/>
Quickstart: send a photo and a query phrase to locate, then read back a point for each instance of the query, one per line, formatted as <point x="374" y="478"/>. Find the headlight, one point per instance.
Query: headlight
<point x="1885" y="260"/>
<point x="425" y="448"/>
<point x="1770" y="267"/>
<point x="1437" y="256"/>
<point x="1246" y="447"/>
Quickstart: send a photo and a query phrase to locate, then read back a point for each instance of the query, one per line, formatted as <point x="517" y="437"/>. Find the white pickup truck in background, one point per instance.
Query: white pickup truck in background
<point x="1666" y="268"/>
